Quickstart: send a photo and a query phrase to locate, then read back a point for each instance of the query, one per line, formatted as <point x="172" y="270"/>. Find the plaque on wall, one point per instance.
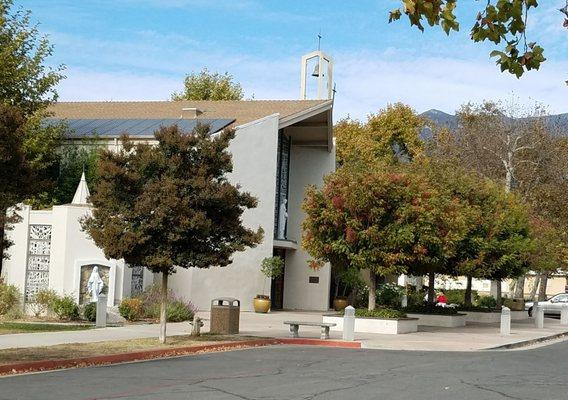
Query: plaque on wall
<point x="314" y="279"/>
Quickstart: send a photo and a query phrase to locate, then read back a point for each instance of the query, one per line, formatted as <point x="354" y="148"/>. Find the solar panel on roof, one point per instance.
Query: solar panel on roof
<point x="111" y="128"/>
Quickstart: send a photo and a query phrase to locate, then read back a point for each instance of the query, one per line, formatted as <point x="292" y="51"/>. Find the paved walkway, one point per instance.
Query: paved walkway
<point x="471" y="337"/>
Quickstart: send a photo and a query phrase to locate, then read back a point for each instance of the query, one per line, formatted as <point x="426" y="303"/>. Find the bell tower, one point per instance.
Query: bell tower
<point x="323" y="72"/>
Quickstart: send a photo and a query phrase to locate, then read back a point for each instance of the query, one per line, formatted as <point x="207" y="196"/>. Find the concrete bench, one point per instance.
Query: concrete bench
<point x="295" y="326"/>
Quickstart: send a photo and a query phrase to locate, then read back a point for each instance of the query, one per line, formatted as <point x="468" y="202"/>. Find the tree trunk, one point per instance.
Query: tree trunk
<point x="467" y="299"/>
<point x="542" y="289"/>
<point x="372" y="290"/>
<point x="520" y="288"/>
<point x="431" y="282"/>
<point x="534" y="287"/>
<point x="163" y="306"/>
<point x="499" y="295"/>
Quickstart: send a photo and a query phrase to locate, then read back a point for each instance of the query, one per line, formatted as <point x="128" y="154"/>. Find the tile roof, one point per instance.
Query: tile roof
<point x="242" y="111"/>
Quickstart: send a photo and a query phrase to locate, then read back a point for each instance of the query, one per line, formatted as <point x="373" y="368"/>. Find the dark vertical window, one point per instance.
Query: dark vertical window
<point x="282" y="175"/>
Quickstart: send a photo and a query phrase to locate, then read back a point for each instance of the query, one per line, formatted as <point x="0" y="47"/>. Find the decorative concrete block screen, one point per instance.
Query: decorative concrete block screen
<point x="37" y="268"/>
<point x="137" y="282"/>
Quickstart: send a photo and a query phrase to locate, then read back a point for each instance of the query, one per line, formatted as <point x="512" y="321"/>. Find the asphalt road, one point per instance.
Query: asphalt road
<point x="312" y="373"/>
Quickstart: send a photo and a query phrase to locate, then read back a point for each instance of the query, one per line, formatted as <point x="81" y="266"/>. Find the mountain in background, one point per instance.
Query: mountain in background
<point x="558" y="122"/>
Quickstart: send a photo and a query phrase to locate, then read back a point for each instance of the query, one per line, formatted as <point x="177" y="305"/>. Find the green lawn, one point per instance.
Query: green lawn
<point x="23" y="327"/>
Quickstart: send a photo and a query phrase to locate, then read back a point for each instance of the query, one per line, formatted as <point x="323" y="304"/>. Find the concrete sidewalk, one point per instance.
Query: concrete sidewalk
<point x="470" y="338"/>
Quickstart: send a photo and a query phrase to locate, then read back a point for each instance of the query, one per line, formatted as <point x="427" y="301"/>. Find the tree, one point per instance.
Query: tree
<point x="383" y="218"/>
<point x="209" y="86"/>
<point x="28" y="86"/>
<point x="170" y="205"/>
<point x="513" y="147"/>
<point x="74" y="161"/>
<point x="496" y="238"/>
<point x="501" y="21"/>
<point x="16" y="174"/>
<point x="390" y="135"/>
<point x="24" y="79"/>
<point x="548" y="255"/>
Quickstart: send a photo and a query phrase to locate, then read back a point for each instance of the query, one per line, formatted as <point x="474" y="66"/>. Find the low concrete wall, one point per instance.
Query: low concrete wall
<point x="519" y="315"/>
<point x="446" y="321"/>
<point x="376" y="325"/>
<point x="482" y="317"/>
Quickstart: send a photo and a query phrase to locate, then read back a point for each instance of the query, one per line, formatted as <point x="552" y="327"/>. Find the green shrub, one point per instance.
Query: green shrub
<point x="457" y="296"/>
<point x="390" y="295"/>
<point x="41" y="302"/>
<point x="132" y="309"/>
<point x="415" y="298"/>
<point x="487" y="302"/>
<point x="384" y="313"/>
<point x="9" y="298"/>
<point x="90" y="312"/>
<point x="425" y="309"/>
<point x="151" y="300"/>
<point x="176" y="311"/>
<point x="65" y="307"/>
<point x="179" y="311"/>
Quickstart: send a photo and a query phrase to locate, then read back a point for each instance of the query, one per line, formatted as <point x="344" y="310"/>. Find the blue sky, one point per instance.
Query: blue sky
<point x="142" y="49"/>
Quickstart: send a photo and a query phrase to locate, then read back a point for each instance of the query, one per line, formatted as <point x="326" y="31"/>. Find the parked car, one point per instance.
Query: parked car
<point x="551" y="306"/>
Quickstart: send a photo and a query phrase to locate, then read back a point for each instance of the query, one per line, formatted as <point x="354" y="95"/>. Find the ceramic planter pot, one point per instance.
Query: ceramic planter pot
<point x="261" y="304"/>
<point x="339" y="303"/>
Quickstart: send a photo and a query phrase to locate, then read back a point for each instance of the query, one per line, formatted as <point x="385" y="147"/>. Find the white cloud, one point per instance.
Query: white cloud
<point x="365" y="81"/>
<point x="86" y="85"/>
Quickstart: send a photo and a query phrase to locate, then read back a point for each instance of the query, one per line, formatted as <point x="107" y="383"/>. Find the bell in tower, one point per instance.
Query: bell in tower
<point x="323" y="74"/>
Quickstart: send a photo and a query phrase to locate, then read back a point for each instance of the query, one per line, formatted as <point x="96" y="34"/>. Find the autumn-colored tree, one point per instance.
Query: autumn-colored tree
<point x="516" y="148"/>
<point x="383" y="218"/>
<point x="392" y="134"/>
<point x="170" y="205"/>
<point x="498" y="21"/>
<point x="206" y="85"/>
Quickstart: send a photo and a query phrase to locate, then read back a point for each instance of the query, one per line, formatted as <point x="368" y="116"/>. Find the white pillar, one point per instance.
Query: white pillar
<point x="404" y="301"/>
<point x="505" y="321"/>
<point x="564" y="315"/>
<point x="539" y="317"/>
<point x="349" y="324"/>
<point x="101" y="311"/>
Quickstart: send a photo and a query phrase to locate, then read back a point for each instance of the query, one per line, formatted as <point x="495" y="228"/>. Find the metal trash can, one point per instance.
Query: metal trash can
<point x="225" y="315"/>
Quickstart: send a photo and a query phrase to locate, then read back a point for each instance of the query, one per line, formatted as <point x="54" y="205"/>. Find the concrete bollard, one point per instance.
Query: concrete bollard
<point x="564" y="314"/>
<point x="101" y="311"/>
<point x="349" y="324"/>
<point x="539" y="317"/>
<point x="404" y="301"/>
<point x="505" y="321"/>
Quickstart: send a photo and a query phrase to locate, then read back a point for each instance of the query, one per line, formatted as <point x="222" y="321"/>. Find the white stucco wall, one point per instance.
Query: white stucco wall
<point x="308" y="166"/>
<point x="14" y="268"/>
<point x="70" y="248"/>
<point x="254" y="151"/>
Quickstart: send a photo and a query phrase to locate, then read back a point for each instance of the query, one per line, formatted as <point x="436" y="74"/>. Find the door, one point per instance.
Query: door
<point x="277" y="284"/>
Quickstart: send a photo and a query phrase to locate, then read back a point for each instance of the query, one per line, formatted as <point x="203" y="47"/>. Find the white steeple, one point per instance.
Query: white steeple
<point x="82" y="192"/>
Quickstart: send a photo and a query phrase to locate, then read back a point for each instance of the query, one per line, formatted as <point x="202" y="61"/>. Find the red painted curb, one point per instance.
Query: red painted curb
<point x="321" y="342"/>
<point x="46" y="365"/>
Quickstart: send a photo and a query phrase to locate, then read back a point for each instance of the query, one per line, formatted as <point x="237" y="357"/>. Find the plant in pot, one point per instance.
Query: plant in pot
<point x="346" y="282"/>
<point x="271" y="267"/>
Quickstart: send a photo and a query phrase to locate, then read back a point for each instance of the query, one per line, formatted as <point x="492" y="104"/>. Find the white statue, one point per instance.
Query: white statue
<point x="95" y="285"/>
<point x="282" y="217"/>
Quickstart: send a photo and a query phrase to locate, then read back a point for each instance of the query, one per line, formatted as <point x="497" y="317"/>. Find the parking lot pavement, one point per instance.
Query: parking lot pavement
<point x="293" y="372"/>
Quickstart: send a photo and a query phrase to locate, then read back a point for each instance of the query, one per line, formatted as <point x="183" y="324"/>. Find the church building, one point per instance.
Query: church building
<point x="280" y="147"/>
